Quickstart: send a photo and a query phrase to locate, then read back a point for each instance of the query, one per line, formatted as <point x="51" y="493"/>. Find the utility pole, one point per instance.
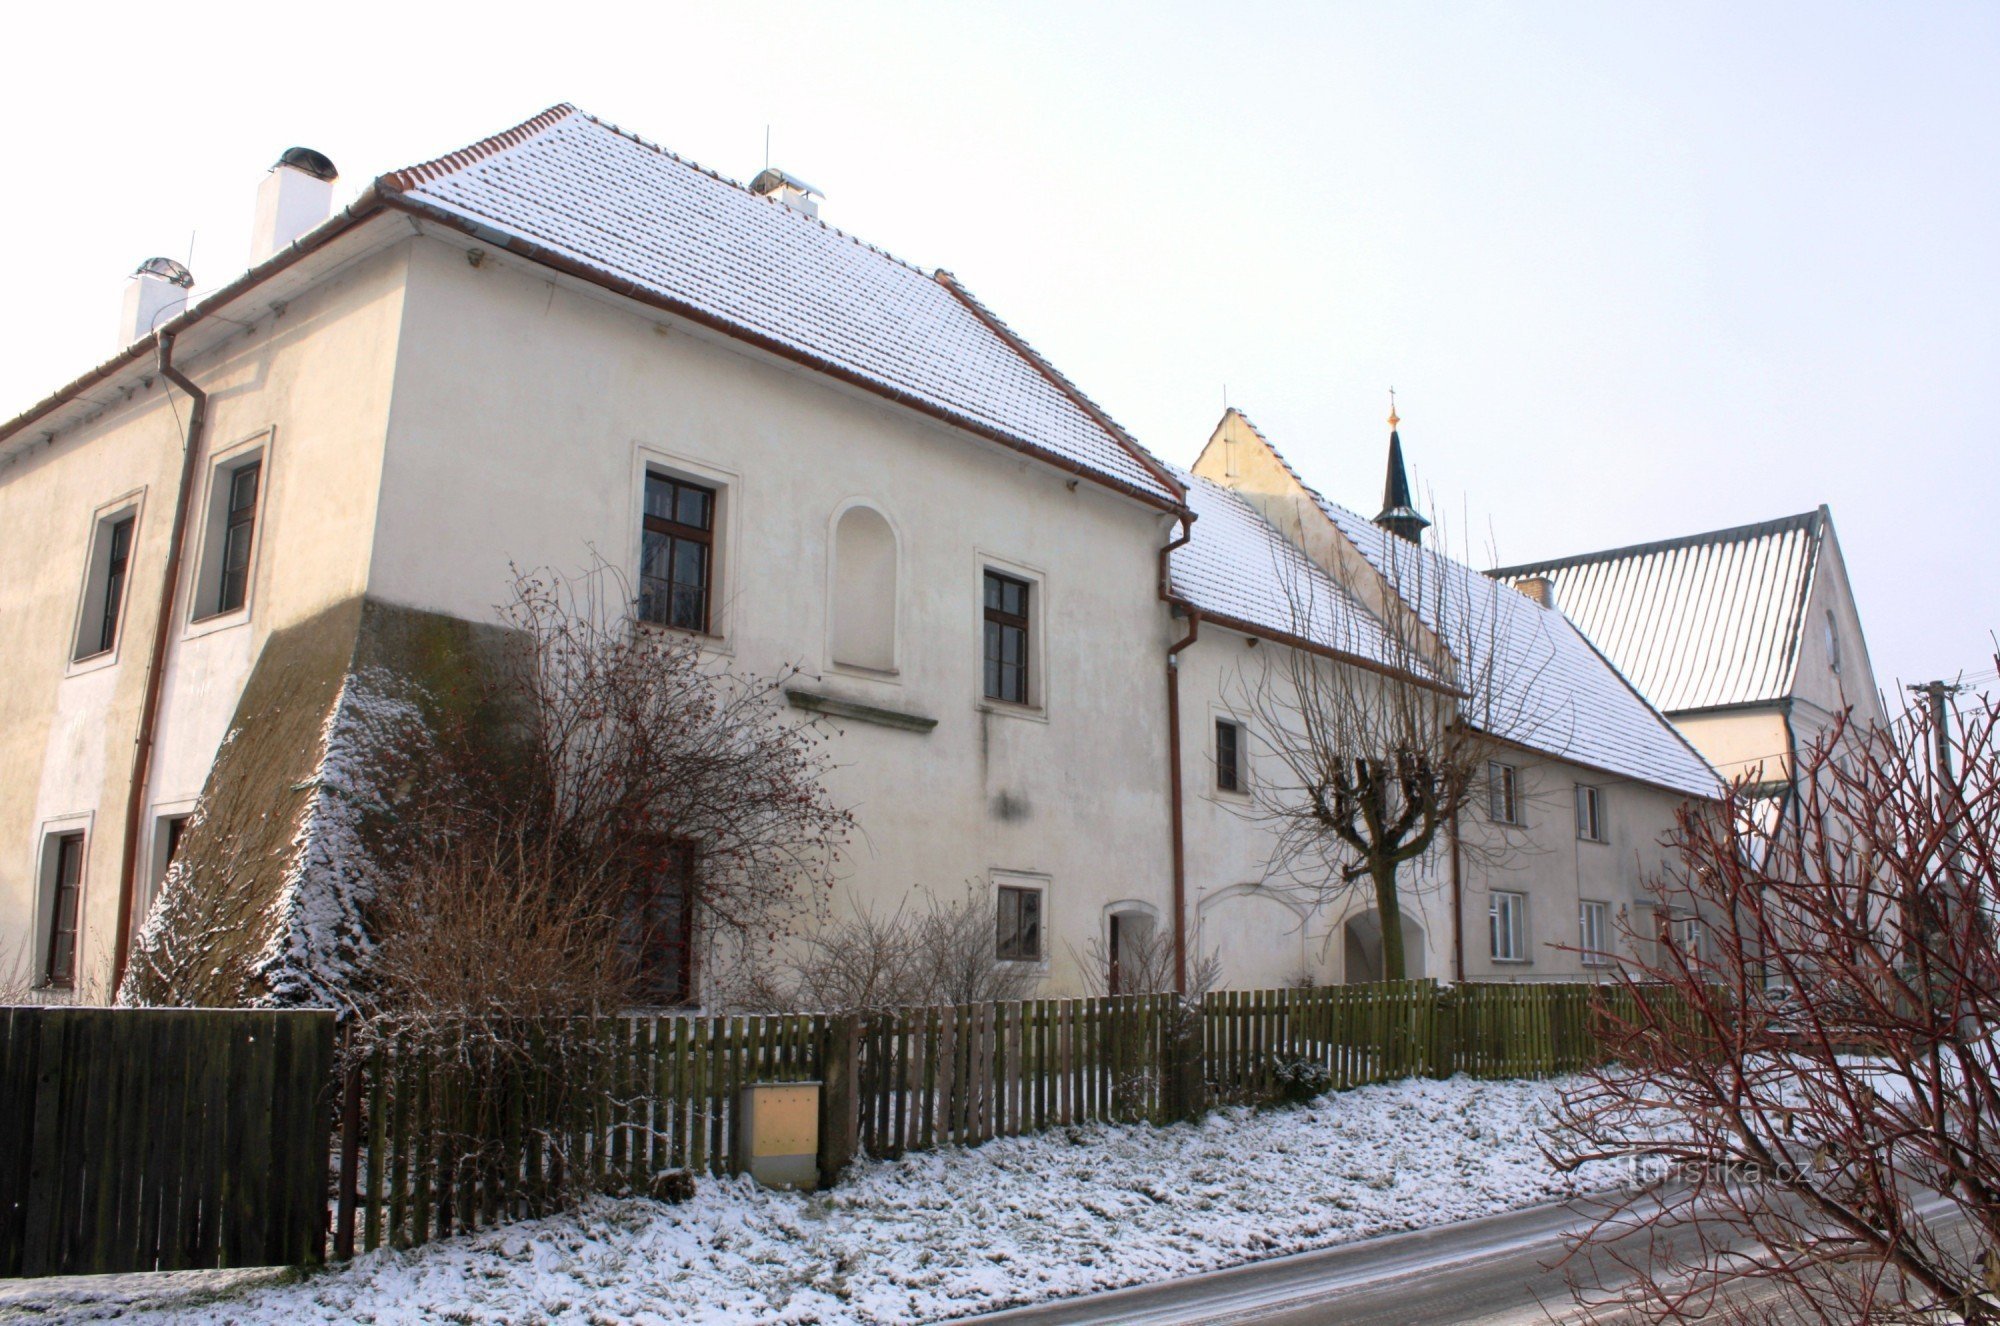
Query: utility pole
<point x="1937" y="693"/>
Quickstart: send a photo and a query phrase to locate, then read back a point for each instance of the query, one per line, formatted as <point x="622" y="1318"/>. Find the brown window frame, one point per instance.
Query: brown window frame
<point x="239" y="534"/>
<point x="998" y="621"/>
<point x="1008" y="947"/>
<point x="65" y="895"/>
<point x="676" y="533"/>
<point x="1230" y="775"/>
<point x="678" y="863"/>
<point x="1590" y="825"/>
<point x="1503" y="793"/>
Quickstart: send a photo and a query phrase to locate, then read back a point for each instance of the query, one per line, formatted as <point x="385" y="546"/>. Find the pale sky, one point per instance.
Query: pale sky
<point x="1635" y="271"/>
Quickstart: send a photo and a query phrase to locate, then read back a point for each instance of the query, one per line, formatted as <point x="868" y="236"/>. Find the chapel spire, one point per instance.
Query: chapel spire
<point x="1399" y="516"/>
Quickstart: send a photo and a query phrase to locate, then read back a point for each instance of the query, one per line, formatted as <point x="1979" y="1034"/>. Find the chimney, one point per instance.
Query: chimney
<point x="793" y="192"/>
<point x="1539" y="588"/>
<point x="294" y="197"/>
<point x="155" y="293"/>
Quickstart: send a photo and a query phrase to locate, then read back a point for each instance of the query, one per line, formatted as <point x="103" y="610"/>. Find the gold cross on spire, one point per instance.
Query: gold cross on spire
<point x="1393" y="420"/>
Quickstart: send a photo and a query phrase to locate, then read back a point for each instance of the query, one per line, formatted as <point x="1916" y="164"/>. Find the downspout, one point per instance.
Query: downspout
<point x="1457" y="904"/>
<point x="1174" y="755"/>
<point x="149" y="709"/>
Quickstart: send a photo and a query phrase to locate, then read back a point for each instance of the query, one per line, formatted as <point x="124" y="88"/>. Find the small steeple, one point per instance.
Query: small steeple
<point x="1398" y="516"/>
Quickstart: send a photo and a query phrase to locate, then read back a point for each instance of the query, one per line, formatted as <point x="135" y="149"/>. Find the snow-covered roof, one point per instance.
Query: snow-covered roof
<point x="1709" y="619"/>
<point x="568" y="187"/>
<point x="1540" y="683"/>
<point x="1237" y="569"/>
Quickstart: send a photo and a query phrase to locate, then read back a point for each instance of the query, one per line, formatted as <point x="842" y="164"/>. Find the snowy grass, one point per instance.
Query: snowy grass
<point x="951" y="1232"/>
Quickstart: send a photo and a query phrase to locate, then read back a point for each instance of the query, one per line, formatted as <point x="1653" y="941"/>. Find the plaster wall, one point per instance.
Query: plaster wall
<point x="528" y="411"/>
<point x="310" y="386"/>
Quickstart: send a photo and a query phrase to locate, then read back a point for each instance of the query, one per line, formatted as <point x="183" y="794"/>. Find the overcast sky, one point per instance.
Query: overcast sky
<point x="1634" y="271"/>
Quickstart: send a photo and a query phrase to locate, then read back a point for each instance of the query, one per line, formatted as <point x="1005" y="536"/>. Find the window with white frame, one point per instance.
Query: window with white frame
<point x="105" y="577"/>
<point x="1589" y="813"/>
<point x="1503" y="793"/>
<point x="1593" y="924"/>
<point x="1017" y="923"/>
<point x="1686" y="932"/>
<point x="1507" y="915"/>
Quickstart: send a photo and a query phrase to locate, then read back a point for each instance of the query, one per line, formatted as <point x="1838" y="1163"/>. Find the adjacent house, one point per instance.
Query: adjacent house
<point x="562" y="347"/>
<point x="1748" y="639"/>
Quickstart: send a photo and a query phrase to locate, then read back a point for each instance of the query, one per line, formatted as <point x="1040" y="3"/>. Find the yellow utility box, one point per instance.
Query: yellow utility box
<point x="777" y="1134"/>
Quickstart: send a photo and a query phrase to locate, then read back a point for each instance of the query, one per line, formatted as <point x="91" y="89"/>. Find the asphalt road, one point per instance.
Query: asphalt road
<point x="1500" y="1271"/>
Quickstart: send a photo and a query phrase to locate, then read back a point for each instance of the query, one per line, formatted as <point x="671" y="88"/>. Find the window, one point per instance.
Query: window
<point x="1832" y="644"/>
<point x="1593" y="923"/>
<point x="229" y="548"/>
<point x="239" y="532"/>
<point x="1503" y="793"/>
<point x="168" y="831"/>
<point x="1685" y="934"/>
<point x="863" y="606"/>
<point x="677" y="553"/>
<point x="1508" y="915"/>
<point x="64" y="891"/>
<point x="104" y="586"/>
<point x="1006" y="638"/>
<point x="1590" y="813"/>
<point x="1018" y="935"/>
<point x="659" y="929"/>
<point x="1229" y="756"/>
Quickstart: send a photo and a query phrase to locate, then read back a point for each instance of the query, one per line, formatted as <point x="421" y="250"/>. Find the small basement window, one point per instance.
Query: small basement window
<point x="63" y="891"/>
<point x="1018" y="930"/>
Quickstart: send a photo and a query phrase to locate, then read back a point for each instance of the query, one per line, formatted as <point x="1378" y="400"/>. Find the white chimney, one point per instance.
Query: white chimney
<point x="294" y="197"/>
<point x="155" y="293"/>
<point x="793" y="192"/>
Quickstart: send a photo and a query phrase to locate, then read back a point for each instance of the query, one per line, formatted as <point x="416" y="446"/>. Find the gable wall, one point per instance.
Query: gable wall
<point x="317" y="380"/>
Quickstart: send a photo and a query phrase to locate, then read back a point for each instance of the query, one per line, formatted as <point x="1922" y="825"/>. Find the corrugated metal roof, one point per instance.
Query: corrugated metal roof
<point x="1696" y="622"/>
<point x="610" y="203"/>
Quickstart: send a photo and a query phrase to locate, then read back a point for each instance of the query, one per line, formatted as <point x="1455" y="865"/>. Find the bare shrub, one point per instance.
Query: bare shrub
<point x="1144" y="964"/>
<point x="1810" y="1053"/>
<point x="937" y="952"/>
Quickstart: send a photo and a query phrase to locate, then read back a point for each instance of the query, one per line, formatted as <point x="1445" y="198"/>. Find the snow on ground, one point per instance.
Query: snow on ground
<point x="944" y="1233"/>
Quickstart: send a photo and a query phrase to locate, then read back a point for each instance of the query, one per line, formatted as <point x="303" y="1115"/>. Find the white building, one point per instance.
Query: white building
<point x="563" y="344"/>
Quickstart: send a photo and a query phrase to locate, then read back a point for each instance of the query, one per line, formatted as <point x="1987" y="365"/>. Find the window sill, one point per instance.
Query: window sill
<point x="886" y="676"/>
<point x="1512" y="962"/>
<point x="1595" y="842"/>
<point x="97" y="662"/>
<point x="216" y="621"/>
<point x="711" y="640"/>
<point x="1005" y="709"/>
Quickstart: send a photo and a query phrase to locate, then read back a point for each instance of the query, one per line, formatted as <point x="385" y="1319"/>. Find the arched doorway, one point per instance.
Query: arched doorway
<point x="1363" y="948"/>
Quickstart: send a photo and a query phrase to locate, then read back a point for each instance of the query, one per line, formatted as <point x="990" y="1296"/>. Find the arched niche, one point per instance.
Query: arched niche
<point x="863" y="592"/>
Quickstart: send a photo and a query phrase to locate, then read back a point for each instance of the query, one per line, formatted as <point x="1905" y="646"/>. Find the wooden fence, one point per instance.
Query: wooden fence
<point x="162" y="1139"/>
<point x="663" y="1091"/>
<point x="165" y="1139"/>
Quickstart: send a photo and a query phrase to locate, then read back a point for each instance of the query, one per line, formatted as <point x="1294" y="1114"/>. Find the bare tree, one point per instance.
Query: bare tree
<point x="1373" y="744"/>
<point x="1811" y="1050"/>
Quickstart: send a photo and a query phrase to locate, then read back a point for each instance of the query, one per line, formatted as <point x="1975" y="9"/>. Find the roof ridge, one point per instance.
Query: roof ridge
<point x="1060" y="381"/>
<point x="425" y="171"/>
<point x="1809" y="521"/>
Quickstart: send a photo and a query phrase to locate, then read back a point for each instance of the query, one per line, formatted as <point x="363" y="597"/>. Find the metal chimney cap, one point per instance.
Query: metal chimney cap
<point x="166" y="269"/>
<point x="308" y="162"/>
<point x="770" y="179"/>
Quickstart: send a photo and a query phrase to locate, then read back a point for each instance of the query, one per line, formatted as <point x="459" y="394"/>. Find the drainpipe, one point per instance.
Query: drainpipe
<point x="156" y="663"/>
<point x="1457" y="903"/>
<point x="1174" y="750"/>
<point x="1174" y="792"/>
